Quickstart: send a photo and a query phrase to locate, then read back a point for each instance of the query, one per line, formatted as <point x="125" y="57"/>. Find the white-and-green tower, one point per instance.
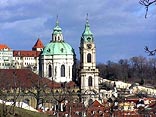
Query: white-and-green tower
<point x="88" y="73"/>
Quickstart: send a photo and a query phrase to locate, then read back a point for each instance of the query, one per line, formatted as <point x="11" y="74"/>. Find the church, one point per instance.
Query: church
<point x="57" y="58"/>
<point x="57" y="62"/>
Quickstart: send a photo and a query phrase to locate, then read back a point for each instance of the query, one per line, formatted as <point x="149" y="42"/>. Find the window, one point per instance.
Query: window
<point x="89" y="103"/>
<point x="89" y="58"/>
<point x="89" y="39"/>
<point x="82" y="58"/>
<point x="90" y="81"/>
<point x="62" y="71"/>
<point x="58" y="38"/>
<point x="55" y="70"/>
<point x="62" y="50"/>
<point x="50" y="71"/>
<point x="69" y="71"/>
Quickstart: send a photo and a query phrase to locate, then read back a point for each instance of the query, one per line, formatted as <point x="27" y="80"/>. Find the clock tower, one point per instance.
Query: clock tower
<point x="88" y="73"/>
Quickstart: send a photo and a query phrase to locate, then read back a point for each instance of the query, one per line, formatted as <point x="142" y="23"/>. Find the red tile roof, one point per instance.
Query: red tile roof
<point x="3" y="46"/>
<point x="70" y="84"/>
<point x="24" y="53"/>
<point x="16" y="78"/>
<point x="38" y="44"/>
<point x="53" y="84"/>
<point x="96" y="104"/>
<point x="24" y="78"/>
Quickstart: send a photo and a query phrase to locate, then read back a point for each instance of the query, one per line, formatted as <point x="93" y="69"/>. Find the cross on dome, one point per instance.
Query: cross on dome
<point x="57" y="22"/>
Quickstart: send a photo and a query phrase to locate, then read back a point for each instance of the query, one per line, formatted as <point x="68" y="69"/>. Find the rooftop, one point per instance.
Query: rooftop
<point x="25" y="53"/>
<point x="3" y="46"/>
<point x="38" y="44"/>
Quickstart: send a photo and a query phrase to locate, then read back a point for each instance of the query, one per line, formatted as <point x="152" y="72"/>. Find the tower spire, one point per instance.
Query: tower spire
<point x="57" y="32"/>
<point x="87" y="21"/>
<point x="57" y="27"/>
<point x="57" y="22"/>
<point x="87" y="35"/>
<point x="87" y="18"/>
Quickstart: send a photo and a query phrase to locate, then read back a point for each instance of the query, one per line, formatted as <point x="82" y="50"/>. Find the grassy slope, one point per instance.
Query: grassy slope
<point x="24" y="113"/>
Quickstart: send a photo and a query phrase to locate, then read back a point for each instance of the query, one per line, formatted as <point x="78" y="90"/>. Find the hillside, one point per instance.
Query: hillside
<point x="19" y="112"/>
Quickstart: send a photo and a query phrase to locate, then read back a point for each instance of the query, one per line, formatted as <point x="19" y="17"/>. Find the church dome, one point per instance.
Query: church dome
<point x="58" y="48"/>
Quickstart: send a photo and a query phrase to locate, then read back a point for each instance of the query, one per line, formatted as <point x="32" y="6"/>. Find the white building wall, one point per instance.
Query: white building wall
<point x="6" y="57"/>
<point x="23" y="62"/>
<point x="56" y="61"/>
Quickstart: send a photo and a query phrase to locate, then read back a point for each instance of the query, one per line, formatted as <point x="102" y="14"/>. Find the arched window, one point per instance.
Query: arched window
<point x="81" y="58"/>
<point x="89" y="58"/>
<point x="58" y="38"/>
<point x="90" y="81"/>
<point x="89" y="39"/>
<point x="62" y="71"/>
<point x="50" y="71"/>
<point x="55" y="38"/>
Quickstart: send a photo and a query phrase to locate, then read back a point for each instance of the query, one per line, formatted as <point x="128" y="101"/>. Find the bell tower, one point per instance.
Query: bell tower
<point x="88" y="73"/>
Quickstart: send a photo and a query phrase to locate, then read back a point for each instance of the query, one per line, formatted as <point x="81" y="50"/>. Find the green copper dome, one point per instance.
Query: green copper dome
<point x="58" y="48"/>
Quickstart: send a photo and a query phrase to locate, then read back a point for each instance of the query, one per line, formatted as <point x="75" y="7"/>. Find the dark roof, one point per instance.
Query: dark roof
<point x="23" y="78"/>
<point x="25" y="53"/>
<point x="70" y="84"/>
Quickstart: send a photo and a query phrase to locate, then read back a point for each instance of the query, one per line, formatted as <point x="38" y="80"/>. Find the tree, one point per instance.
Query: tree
<point x="124" y="70"/>
<point x="10" y="91"/>
<point x="139" y="66"/>
<point x="38" y="90"/>
<point x="147" y="3"/>
<point x="151" y="52"/>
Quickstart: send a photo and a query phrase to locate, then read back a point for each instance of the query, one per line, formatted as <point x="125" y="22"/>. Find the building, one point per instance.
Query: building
<point x="28" y="58"/>
<point x="6" y="57"/>
<point x="54" y="88"/>
<point x="88" y="73"/>
<point x="58" y="57"/>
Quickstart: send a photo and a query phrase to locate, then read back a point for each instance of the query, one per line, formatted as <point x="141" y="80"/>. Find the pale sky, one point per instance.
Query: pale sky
<point x="119" y="27"/>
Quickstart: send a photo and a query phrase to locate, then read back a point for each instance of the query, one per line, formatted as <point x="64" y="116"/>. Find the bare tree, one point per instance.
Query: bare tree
<point x="38" y="90"/>
<point x="151" y="52"/>
<point x="10" y="92"/>
<point x="147" y="3"/>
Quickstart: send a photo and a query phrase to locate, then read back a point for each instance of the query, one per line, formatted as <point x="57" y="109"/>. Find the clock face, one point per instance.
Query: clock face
<point x="89" y="46"/>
